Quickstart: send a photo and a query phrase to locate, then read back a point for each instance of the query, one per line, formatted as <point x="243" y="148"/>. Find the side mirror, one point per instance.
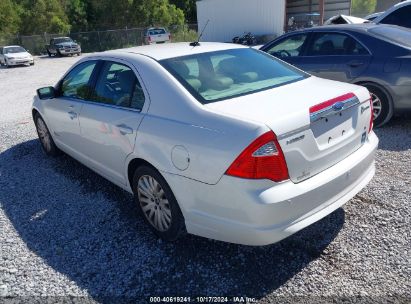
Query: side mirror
<point x="46" y="93"/>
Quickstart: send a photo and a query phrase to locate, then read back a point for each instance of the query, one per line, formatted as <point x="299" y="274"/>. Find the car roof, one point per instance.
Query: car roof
<point x="171" y="50"/>
<point x="7" y="46"/>
<point x="360" y="28"/>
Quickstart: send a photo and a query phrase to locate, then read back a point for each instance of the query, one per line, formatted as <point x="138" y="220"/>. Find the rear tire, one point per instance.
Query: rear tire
<point x="382" y="107"/>
<point x="47" y="142"/>
<point x="48" y="53"/>
<point x="157" y="204"/>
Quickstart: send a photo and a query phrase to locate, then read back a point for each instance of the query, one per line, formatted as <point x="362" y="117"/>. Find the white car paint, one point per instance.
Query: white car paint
<point x="12" y="59"/>
<point x="192" y="146"/>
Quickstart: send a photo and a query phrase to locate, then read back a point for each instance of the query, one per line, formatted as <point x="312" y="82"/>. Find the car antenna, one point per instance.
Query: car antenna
<point x="196" y="43"/>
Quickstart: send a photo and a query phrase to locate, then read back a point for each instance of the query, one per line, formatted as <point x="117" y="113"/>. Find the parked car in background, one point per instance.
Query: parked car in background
<point x="399" y="14"/>
<point x="343" y="19"/>
<point x="156" y="35"/>
<point x="373" y="16"/>
<point x="236" y="145"/>
<point x="15" y="55"/>
<point x="375" y="56"/>
<point x="63" y="46"/>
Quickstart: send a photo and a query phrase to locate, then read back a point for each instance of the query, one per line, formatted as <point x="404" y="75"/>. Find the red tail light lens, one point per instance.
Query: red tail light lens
<point x="262" y="159"/>
<point x="372" y="115"/>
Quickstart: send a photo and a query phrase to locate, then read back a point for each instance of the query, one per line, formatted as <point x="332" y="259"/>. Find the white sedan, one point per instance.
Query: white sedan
<point x="15" y="55"/>
<point x="218" y="140"/>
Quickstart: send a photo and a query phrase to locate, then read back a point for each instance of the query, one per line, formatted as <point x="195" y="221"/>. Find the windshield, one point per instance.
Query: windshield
<point x="62" y="40"/>
<point x="216" y="76"/>
<point x="14" y="49"/>
<point x="398" y="35"/>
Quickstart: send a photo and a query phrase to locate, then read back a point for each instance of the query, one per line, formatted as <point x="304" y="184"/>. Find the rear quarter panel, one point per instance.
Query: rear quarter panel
<point x="174" y="118"/>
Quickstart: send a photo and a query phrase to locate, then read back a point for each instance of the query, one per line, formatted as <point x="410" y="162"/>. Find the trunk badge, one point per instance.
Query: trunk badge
<point x="338" y="106"/>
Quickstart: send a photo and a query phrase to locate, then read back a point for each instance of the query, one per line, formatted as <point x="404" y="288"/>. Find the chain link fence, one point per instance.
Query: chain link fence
<point x="97" y="41"/>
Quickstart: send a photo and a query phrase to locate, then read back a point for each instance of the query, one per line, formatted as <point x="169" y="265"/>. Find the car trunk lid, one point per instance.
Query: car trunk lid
<point x="318" y="122"/>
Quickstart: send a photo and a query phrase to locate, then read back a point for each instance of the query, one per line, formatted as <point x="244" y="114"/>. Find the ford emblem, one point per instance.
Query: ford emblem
<point x="338" y="106"/>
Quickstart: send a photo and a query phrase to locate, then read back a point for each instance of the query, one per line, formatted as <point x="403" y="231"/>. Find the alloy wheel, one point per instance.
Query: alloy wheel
<point x="154" y="203"/>
<point x="376" y="105"/>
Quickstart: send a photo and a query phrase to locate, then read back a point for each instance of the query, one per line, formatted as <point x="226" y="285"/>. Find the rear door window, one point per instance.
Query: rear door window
<point x="118" y="85"/>
<point x="332" y="44"/>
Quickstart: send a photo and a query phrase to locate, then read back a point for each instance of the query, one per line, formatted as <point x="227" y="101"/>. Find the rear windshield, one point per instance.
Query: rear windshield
<point x="398" y="35"/>
<point x="13" y="49"/>
<point x="226" y="74"/>
<point x="157" y="31"/>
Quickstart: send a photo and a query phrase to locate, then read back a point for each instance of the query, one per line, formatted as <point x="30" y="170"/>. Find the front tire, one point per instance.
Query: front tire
<point x="382" y="108"/>
<point x="47" y="142"/>
<point x="157" y="203"/>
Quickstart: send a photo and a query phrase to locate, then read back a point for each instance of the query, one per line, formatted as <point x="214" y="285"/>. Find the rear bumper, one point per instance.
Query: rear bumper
<point x="262" y="212"/>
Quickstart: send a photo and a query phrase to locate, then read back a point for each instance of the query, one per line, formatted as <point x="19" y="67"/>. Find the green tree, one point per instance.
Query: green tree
<point x="363" y="7"/>
<point x="9" y="18"/>
<point x="157" y="12"/>
<point x="188" y="7"/>
<point x="76" y="11"/>
<point x="39" y="16"/>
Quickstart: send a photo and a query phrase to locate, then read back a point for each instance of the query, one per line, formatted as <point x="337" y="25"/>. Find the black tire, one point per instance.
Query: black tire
<point x="51" y="148"/>
<point x="48" y="53"/>
<point x="176" y="227"/>
<point x="58" y="54"/>
<point x="6" y="64"/>
<point x="384" y="112"/>
<point x="79" y="54"/>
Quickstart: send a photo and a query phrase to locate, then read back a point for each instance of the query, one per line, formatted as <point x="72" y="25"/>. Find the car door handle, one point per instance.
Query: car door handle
<point x="72" y="115"/>
<point x="124" y="129"/>
<point x="355" y="64"/>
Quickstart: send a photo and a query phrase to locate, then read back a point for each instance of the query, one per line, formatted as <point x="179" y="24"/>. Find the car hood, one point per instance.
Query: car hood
<point x="18" y="55"/>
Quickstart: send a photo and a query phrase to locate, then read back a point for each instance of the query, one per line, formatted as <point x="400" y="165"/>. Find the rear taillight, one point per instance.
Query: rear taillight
<point x="372" y="115"/>
<point x="262" y="159"/>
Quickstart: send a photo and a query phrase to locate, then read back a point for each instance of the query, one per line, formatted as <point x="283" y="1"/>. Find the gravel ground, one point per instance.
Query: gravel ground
<point x="65" y="231"/>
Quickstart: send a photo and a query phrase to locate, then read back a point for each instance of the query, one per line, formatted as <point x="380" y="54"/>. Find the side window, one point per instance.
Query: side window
<point x="401" y="17"/>
<point x="76" y="83"/>
<point x="118" y="85"/>
<point x="291" y="46"/>
<point x="332" y="44"/>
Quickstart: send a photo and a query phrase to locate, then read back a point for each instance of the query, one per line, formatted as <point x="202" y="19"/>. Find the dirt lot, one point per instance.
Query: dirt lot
<point x="65" y="231"/>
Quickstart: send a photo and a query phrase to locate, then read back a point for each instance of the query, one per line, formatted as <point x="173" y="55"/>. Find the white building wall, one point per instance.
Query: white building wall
<point x="230" y="18"/>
